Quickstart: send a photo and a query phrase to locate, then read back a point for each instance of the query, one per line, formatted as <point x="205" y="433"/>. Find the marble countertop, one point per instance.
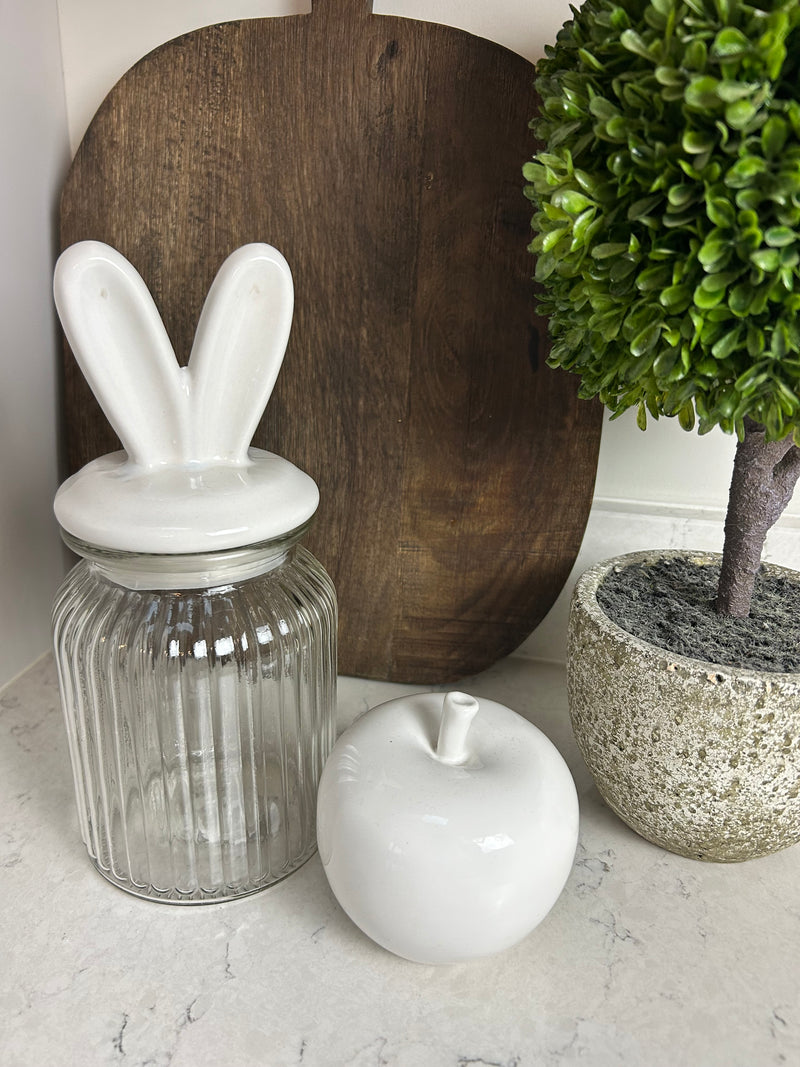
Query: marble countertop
<point x="647" y="959"/>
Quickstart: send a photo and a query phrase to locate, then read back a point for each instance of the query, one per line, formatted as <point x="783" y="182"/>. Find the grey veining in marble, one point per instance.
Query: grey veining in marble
<point x="648" y="959"/>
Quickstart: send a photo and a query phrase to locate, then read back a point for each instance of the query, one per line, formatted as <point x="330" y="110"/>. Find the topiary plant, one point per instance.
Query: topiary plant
<point x="667" y="221"/>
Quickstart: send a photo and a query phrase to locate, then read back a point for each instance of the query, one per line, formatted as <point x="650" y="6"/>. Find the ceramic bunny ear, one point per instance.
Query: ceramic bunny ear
<point x="119" y="341"/>
<point x="238" y="350"/>
<point x="207" y="412"/>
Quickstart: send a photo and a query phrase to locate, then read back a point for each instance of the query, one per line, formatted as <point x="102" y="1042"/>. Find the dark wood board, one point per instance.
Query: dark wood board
<point x="383" y="157"/>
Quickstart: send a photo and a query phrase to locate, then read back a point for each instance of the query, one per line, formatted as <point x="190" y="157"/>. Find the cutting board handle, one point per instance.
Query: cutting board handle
<point x="351" y="9"/>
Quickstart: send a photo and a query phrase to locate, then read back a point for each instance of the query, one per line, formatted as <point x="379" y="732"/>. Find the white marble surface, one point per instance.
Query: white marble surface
<point x="647" y="959"/>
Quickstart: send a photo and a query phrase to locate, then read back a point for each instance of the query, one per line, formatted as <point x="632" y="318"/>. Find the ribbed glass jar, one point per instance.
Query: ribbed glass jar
<point x="199" y="694"/>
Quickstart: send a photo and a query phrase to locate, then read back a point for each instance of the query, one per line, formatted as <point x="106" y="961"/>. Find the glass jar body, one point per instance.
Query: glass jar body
<point x="199" y="697"/>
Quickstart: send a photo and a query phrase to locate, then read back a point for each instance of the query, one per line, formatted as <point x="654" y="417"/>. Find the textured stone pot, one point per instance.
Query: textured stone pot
<point x="701" y="759"/>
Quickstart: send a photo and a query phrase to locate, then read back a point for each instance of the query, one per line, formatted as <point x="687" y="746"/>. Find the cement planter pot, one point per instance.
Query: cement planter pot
<point x="700" y="759"/>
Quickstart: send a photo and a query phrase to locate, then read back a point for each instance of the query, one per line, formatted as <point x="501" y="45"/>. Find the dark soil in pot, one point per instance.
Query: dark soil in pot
<point x="670" y="603"/>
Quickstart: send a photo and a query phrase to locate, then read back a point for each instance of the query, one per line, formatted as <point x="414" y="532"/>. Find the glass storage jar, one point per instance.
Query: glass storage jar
<point x="199" y="696"/>
<point x="196" y="638"/>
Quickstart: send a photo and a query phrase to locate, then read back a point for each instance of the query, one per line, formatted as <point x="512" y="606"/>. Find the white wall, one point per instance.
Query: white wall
<point x="35" y="155"/>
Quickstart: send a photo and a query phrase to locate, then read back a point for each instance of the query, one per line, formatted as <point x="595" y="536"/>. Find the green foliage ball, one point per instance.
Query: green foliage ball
<point x="667" y="208"/>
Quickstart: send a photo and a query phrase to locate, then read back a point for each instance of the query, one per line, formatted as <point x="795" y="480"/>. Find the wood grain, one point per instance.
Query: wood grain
<point x="383" y="157"/>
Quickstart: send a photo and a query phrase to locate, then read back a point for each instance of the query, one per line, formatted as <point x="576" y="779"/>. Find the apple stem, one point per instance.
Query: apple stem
<point x="458" y="711"/>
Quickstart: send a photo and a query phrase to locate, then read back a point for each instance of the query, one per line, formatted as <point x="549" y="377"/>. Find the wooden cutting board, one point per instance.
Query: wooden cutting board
<point x="383" y="157"/>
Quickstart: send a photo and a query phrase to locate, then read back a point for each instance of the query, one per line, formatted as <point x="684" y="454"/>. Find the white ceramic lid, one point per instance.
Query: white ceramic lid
<point x="187" y="480"/>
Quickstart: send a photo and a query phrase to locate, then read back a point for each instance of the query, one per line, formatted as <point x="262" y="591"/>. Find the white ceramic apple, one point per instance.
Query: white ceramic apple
<point x="446" y="834"/>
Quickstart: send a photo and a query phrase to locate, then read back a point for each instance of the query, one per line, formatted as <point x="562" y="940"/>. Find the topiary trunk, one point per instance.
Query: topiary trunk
<point x="764" y="476"/>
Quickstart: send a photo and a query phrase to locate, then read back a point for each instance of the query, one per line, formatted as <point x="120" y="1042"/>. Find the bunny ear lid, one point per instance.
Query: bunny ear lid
<point x="187" y="480"/>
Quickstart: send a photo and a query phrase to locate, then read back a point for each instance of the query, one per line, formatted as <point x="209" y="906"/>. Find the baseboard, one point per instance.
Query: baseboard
<point x="618" y="526"/>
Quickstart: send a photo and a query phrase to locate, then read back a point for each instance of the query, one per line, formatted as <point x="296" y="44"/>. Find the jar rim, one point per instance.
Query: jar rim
<point x="91" y="550"/>
<point x="186" y="570"/>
